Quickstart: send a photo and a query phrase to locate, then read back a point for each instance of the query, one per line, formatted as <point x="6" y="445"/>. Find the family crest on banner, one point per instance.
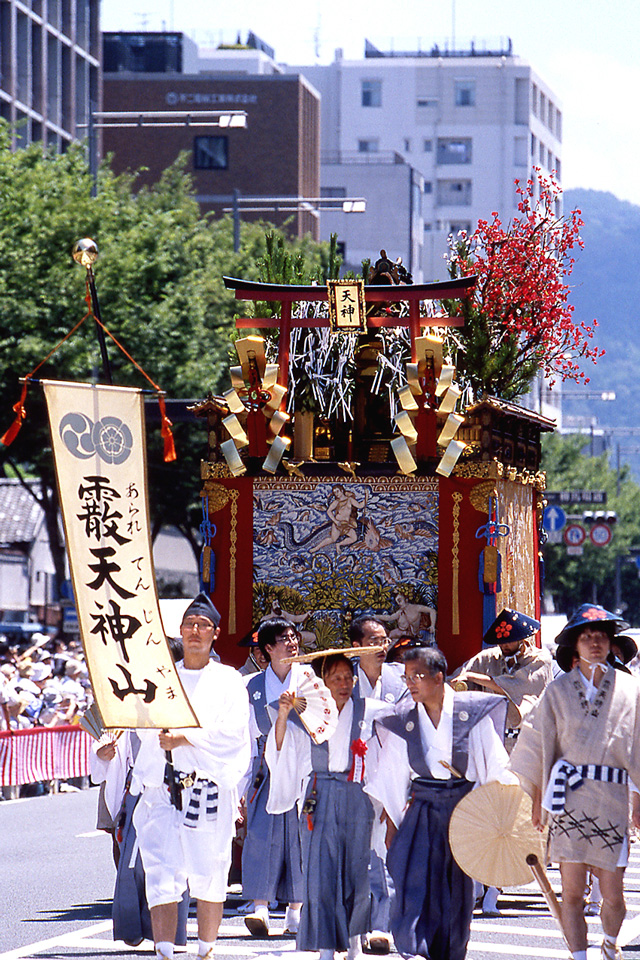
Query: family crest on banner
<point x="98" y="444"/>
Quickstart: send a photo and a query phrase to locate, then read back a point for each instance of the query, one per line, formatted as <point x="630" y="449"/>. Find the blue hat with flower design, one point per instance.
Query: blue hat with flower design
<point x="509" y="626"/>
<point x="589" y="615"/>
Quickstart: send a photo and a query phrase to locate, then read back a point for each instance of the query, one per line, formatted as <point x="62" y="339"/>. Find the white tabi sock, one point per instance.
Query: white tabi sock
<point x="327" y="955"/>
<point x="292" y="919"/>
<point x="579" y="955"/>
<point x="355" y="948"/>
<point x="204" y="947"/>
<point x="164" y="949"/>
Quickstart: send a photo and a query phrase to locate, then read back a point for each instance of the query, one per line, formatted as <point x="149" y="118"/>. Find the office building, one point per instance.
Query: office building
<point x="468" y="122"/>
<point x="276" y="156"/>
<point x="49" y="69"/>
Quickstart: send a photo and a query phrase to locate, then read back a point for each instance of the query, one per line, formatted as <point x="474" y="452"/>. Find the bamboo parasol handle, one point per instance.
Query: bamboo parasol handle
<point x="547" y="892"/>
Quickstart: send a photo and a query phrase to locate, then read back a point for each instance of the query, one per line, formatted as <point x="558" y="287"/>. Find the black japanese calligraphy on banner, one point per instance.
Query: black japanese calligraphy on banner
<point x="98" y="443"/>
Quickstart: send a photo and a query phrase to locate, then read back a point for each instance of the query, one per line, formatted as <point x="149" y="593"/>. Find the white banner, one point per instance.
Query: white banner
<point x="99" y="448"/>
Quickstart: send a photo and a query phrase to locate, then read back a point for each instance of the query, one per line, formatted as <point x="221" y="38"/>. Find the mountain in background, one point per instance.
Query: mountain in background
<point x="606" y="286"/>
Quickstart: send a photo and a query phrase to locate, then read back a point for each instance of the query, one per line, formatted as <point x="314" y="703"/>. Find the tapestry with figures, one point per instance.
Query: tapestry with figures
<point x="326" y="550"/>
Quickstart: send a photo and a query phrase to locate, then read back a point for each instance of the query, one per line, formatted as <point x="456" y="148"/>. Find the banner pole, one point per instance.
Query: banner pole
<point x="85" y="252"/>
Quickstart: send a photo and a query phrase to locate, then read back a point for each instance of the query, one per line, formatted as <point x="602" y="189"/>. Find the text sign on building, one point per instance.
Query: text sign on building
<point x="555" y="497"/>
<point x="98" y="442"/>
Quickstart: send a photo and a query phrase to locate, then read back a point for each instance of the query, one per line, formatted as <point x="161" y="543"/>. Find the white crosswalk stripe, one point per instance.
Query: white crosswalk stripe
<point x="524" y="930"/>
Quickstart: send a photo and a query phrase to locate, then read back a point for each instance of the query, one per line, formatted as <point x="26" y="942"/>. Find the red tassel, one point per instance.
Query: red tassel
<point x="169" y="446"/>
<point x="309" y="822"/>
<point x="21" y="413"/>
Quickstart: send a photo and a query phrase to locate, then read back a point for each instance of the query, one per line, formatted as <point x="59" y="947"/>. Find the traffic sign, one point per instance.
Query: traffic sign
<point x="553" y="518"/>
<point x="600" y="534"/>
<point x="575" y="535"/>
<point x="575" y="551"/>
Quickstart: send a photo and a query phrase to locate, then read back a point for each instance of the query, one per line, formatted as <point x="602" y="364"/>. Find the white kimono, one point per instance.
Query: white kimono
<point x="218" y="751"/>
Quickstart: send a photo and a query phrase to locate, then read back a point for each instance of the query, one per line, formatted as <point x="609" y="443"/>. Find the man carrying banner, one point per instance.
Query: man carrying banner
<point x="186" y="815"/>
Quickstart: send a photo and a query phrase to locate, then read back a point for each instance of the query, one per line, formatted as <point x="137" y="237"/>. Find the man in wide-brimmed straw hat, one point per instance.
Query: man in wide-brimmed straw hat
<point x="575" y="756"/>
<point x="511" y="666"/>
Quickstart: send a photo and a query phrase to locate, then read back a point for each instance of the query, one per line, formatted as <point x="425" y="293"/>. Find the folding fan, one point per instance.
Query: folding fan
<point x="92" y="722"/>
<point x="316" y="708"/>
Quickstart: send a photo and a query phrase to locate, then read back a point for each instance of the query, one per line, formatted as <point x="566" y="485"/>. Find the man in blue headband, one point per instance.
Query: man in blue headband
<point x="185" y="819"/>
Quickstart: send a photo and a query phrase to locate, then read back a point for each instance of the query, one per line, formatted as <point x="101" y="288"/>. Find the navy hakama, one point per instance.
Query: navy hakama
<point x="337" y="900"/>
<point x="431" y="912"/>
<point x="336" y="903"/>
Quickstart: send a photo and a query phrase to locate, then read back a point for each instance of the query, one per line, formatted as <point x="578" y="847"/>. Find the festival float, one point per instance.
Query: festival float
<point x="347" y="474"/>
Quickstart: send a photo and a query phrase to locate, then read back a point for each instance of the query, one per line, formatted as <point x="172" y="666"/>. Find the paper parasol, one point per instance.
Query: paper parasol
<point x="491" y="835"/>
<point x="316" y="708"/>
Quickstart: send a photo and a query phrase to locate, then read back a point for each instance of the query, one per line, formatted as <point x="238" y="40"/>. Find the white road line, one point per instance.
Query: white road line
<point x="91" y="833"/>
<point x="66" y="939"/>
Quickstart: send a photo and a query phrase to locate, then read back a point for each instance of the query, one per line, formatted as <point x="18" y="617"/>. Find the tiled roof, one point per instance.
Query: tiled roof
<point x="20" y="515"/>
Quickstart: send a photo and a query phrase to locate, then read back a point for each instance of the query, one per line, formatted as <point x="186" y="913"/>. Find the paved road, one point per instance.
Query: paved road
<point x="57" y="879"/>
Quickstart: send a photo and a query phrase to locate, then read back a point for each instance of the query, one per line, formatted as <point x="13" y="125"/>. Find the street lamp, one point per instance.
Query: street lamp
<point x="282" y="204"/>
<point x="101" y="120"/>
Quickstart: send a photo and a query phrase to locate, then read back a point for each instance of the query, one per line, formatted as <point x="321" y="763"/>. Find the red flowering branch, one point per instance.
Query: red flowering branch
<point x="519" y="319"/>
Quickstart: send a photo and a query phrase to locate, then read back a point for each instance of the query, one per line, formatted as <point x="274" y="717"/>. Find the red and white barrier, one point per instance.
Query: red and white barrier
<point x="43" y="753"/>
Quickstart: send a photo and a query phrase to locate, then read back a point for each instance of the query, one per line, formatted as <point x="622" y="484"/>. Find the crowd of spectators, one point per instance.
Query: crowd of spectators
<point x="46" y="685"/>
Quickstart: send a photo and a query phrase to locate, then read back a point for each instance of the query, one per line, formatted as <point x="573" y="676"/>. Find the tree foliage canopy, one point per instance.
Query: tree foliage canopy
<point x="576" y="580"/>
<point x="159" y="280"/>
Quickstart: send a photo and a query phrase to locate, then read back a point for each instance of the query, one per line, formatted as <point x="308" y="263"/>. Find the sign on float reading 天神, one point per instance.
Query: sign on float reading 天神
<point x="98" y="443"/>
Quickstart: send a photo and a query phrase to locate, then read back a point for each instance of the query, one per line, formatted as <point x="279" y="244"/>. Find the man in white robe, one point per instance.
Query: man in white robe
<point x="432" y="754"/>
<point x="193" y="845"/>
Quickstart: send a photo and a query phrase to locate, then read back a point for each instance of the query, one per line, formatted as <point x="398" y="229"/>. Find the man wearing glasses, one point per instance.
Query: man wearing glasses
<point x="436" y="748"/>
<point x="185" y="819"/>
<point x="271" y="857"/>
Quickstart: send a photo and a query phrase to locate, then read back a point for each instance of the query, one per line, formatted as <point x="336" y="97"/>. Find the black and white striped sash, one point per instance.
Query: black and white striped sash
<point x="203" y="803"/>
<point x="568" y="775"/>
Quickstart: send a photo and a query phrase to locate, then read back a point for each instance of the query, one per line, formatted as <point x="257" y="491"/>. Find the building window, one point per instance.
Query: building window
<point x="428" y="187"/>
<point x="372" y="93"/>
<point x="210" y="153"/>
<point x="520" y="154"/>
<point x="465" y="93"/>
<point x="427" y="146"/>
<point x="558" y="169"/>
<point x="534" y="146"/>
<point x="454" y="150"/>
<point x="427" y="102"/>
<point x="333" y="192"/>
<point x="460" y="226"/>
<point x="454" y="193"/>
<point x="534" y="99"/>
<point x="407" y="145"/>
<point x="367" y="146"/>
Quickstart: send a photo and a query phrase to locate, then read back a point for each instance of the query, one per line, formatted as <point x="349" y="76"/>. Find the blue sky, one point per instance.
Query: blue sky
<point x="586" y="50"/>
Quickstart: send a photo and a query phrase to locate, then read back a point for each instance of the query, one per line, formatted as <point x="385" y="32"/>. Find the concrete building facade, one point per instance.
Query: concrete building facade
<point x="469" y="122"/>
<point x="49" y="69"/>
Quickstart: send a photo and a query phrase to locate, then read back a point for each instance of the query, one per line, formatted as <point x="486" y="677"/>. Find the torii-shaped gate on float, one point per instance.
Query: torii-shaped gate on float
<point x="412" y="294"/>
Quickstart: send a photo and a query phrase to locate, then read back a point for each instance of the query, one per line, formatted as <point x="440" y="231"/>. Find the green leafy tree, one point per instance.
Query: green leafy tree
<point x="591" y="577"/>
<point x="159" y="279"/>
